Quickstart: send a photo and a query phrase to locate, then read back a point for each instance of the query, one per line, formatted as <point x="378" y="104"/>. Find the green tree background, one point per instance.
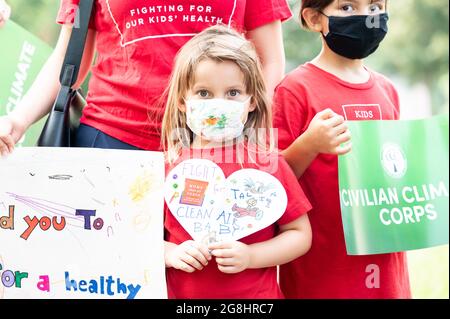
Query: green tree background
<point x="416" y="51"/>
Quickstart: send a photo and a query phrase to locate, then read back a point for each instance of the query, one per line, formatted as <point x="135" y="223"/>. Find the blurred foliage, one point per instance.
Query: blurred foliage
<point x="428" y="272"/>
<point x="37" y="16"/>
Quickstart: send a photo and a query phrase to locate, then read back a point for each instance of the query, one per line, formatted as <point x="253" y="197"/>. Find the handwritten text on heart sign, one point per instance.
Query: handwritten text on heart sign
<point x="211" y="207"/>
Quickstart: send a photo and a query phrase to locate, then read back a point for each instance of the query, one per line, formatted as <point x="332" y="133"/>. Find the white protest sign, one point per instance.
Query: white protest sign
<point x="81" y="223"/>
<point x="212" y="208"/>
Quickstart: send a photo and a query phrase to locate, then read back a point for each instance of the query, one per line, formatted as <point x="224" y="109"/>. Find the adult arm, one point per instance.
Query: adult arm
<point x="268" y="41"/>
<point x="37" y="102"/>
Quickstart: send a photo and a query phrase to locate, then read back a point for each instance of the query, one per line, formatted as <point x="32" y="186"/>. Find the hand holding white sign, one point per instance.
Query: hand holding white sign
<point x="232" y="257"/>
<point x="188" y="256"/>
<point x="10" y="133"/>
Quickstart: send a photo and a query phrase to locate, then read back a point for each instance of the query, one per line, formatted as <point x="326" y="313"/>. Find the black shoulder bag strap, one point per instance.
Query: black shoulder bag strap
<point x="56" y="132"/>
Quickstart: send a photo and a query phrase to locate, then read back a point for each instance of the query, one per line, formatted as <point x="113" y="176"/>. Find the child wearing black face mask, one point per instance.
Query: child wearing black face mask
<point x="311" y="106"/>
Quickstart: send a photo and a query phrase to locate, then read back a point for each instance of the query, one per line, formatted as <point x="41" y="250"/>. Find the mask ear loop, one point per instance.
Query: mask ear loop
<point x="322" y="13"/>
<point x="247" y="100"/>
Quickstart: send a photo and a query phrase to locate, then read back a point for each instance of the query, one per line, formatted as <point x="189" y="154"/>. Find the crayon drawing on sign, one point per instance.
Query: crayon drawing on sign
<point x="213" y="208"/>
<point x="87" y="223"/>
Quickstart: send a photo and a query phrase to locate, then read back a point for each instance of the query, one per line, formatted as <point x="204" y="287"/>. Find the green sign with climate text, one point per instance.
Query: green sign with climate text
<point x="22" y="57"/>
<point x="394" y="186"/>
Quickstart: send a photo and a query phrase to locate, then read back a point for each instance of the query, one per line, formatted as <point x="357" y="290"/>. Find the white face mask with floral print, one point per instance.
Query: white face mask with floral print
<point x="216" y="120"/>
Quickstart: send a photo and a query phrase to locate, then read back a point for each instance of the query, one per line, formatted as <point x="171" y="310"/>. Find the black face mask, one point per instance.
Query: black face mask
<point x="356" y="37"/>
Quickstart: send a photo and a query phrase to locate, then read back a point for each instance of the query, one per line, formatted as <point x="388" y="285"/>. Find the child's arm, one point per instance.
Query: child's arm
<point x="293" y="241"/>
<point x="325" y="135"/>
<point x="188" y="256"/>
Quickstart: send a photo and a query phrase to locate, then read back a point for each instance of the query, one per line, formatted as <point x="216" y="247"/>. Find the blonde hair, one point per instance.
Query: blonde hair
<point x="217" y="43"/>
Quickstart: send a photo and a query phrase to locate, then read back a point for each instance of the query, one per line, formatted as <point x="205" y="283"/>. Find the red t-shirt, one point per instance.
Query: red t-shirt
<point x="210" y="283"/>
<point x="326" y="271"/>
<point x="136" y="44"/>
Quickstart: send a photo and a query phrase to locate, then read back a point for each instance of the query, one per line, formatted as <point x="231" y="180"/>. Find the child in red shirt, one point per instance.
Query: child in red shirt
<point x="311" y="106"/>
<point x="218" y="71"/>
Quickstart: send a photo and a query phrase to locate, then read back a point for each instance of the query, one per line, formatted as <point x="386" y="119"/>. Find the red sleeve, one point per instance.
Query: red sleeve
<point x="290" y="119"/>
<point x="261" y="12"/>
<point x="393" y="93"/>
<point x="67" y="12"/>
<point x="298" y="204"/>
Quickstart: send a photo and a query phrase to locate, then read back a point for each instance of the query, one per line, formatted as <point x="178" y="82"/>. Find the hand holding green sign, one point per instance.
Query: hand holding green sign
<point x="394" y="190"/>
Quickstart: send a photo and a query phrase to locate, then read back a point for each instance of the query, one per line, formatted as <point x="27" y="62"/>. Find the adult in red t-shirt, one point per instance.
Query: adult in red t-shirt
<point x="311" y="107"/>
<point x="136" y="42"/>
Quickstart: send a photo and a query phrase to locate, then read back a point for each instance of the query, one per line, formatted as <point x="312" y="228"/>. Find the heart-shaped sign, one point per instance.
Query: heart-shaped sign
<point x="213" y="208"/>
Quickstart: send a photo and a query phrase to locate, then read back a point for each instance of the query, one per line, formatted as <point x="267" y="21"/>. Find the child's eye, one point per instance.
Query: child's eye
<point x="234" y="93"/>
<point x="376" y="8"/>
<point x="203" y="94"/>
<point x="348" y="8"/>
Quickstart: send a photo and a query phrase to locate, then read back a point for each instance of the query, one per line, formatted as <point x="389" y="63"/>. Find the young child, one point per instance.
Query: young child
<point x="311" y="106"/>
<point x="218" y="71"/>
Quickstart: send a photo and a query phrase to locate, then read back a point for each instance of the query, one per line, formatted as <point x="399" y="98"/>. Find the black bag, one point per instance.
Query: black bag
<point x="64" y="118"/>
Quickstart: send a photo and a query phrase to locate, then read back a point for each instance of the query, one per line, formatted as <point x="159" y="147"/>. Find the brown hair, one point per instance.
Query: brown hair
<point x="318" y="5"/>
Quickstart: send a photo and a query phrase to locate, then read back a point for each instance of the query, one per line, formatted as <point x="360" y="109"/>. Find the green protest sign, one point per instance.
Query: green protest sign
<point x="394" y="186"/>
<point x="23" y="55"/>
